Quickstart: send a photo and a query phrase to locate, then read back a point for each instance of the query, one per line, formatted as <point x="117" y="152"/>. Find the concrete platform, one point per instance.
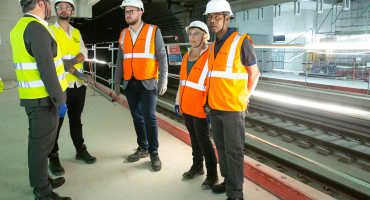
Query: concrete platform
<point x="110" y="136"/>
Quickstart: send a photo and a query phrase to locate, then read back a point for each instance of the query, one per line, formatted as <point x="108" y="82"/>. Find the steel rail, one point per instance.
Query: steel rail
<point x="325" y="127"/>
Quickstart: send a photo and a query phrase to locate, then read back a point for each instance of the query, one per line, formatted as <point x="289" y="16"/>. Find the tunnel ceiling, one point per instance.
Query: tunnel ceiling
<point x="108" y="18"/>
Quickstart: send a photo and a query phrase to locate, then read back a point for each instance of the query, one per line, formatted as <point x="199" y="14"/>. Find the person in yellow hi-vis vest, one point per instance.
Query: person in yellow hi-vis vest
<point x="74" y="52"/>
<point x="41" y="78"/>
<point x="1" y="85"/>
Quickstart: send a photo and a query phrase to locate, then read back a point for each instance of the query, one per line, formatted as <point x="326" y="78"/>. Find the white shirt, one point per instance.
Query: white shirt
<point x="42" y="21"/>
<point x="135" y="35"/>
<point x="83" y="50"/>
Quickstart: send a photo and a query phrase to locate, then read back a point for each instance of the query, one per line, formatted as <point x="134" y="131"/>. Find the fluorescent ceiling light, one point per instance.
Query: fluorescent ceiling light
<point x="311" y="104"/>
<point x="344" y="46"/>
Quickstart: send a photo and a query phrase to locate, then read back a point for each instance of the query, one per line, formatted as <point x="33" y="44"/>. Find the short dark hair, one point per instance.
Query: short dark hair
<point x="28" y="5"/>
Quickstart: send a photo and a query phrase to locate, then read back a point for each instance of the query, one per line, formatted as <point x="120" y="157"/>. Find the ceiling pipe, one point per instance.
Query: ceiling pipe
<point x="297" y="8"/>
<point x="92" y="2"/>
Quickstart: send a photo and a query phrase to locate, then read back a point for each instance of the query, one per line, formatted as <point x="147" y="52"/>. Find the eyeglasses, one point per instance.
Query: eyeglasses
<point x="193" y="34"/>
<point x="63" y="7"/>
<point x="215" y="16"/>
<point x="130" y="12"/>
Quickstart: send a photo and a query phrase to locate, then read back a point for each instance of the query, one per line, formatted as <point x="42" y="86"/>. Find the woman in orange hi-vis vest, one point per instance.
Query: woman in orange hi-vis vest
<point x="189" y="102"/>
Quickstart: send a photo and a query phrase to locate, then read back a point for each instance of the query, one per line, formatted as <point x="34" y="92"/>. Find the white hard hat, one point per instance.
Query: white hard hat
<point x="135" y="3"/>
<point x="51" y="1"/>
<point x="198" y="24"/>
<point x="66" y="1"/>
<point x="215" y="6"/>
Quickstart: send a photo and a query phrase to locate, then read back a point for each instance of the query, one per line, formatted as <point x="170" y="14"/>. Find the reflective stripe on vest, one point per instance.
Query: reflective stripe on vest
<point x="68" y="57"/>
<point x="34" y="84"/>
<point x="228" y="75"/>
<point x="192" y="86"/>
<point x="230" y="62"/>
<point x="146" y="54"/>
<point x="27" y="66"/>
<point x="227" y="85"/>
<point x="139" y="55"/>
<point x="70" y="47"/>
<point x="139" y="59"/>
<point x="30" y="83"/>
<point x="200" y="85"/>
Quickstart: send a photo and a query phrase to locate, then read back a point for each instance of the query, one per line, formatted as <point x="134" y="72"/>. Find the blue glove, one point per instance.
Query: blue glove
<point x="177" y="110"/>
<point x="62" y="110"/>
<point x="208" y="119"/>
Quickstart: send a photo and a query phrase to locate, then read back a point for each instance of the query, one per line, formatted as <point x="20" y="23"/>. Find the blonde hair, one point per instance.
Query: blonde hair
<point x="206" y="38"/>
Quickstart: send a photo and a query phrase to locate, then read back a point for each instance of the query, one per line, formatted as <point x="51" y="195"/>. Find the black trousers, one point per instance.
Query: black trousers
<point x="228" y="130"/>
<point x="201" y="143"/>
<point x="43" y="126"/>
<point x="75" y="105"/>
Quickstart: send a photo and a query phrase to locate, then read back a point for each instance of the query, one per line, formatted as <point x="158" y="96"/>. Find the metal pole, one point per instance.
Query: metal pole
<point x="336" y="16"/>
<point x="262" y="65"/>
<point x="317" y="15"/>
<point x="112" y="65"/>
<point x="95" y="63"/>
<point x="367" y="18"/>
<point x="368" y="83"/>
<point x="305" y="78"/>
<point x="331" y="21"/>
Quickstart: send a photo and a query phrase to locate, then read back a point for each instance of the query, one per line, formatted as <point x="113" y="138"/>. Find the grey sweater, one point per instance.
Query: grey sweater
<point x="160" y="52"/>
<point x="42" y="46"/>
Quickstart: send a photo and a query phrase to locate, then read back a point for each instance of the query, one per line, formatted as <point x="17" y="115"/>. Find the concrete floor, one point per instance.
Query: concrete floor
<point x="109" y="135"/>
<point x="296" y="77"/>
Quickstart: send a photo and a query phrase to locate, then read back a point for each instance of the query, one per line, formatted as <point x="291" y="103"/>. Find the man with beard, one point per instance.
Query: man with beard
<point x="232" y="77"/>
<point x="140" y="56"/>
<point x="41" y="84"/>
<point x="74" y="53"/>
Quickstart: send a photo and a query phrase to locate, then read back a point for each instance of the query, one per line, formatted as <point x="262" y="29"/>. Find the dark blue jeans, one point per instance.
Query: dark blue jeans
<point x="142" y="104"/>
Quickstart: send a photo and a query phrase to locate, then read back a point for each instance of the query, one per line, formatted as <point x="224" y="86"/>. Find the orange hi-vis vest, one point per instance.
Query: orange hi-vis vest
<point x="192" y="86"/>
<point x="226" y="85"/>
<point x="139" y="60"/>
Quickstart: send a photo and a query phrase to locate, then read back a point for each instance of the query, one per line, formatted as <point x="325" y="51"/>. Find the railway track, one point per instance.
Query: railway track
<point x="331" y="134"/>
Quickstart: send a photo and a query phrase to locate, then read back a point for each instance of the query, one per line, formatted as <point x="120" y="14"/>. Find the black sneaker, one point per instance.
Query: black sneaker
<point x="155" y="161"/>
<point x="82" y="154"/>
<point x="139" y="153"/>
<point x="55" y="166"/>
<point x="235" y="199"/>
<point x="209" y="182"/>
<point x="52" y="196"/>
<point x="219" y="189"/>
<point x="193" y="172"/>
<point x="55" y="183"/>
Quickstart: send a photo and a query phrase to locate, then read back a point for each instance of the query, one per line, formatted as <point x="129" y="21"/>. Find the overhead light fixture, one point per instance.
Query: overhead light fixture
<point x="344" y="46"/>
<point x="311" y="104"/>
<point x="319" y="6"/>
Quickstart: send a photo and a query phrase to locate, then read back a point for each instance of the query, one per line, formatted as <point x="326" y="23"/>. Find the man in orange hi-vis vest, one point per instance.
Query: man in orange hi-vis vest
<point x="232" y="76"/>
<point x="142" y="63"/>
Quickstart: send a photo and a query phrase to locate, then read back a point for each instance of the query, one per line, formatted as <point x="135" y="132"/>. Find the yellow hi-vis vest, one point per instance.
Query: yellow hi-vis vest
<point x="70" y="48"/>
<point x="1" y="85"/>
<point x="30" y="85"/>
